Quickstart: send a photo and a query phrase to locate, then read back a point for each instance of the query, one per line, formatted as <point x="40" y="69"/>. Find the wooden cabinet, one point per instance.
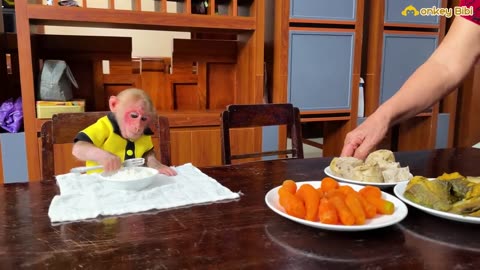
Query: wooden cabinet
<point x="399" y="40"/>
<point x="12" y="147"/>
<point x="193" y="110"/>
<point x="467" y="128"/>
<point x="462" y="106"/>
<point x="321" y="48"/>
<point x="317" y="63"/>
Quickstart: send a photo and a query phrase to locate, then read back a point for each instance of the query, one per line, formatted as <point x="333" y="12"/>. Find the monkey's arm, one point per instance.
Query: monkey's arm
<point x="88" y="151"/>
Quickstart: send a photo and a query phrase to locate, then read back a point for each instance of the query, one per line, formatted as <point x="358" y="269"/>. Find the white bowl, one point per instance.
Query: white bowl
<point x="129" y="178"/>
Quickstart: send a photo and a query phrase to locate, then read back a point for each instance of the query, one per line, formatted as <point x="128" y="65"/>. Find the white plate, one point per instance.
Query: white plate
<point x="400" y="189"/>
<point x="271" y="199"/>
<point x="329" y="172"/>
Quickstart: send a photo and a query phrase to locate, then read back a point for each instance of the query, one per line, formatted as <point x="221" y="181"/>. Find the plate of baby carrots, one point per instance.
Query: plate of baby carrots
<point x="335" y="206"/>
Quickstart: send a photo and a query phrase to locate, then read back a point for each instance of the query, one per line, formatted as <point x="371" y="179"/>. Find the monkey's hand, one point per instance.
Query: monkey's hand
<point x="110" y="162"/>
<point x="166" y="170"/>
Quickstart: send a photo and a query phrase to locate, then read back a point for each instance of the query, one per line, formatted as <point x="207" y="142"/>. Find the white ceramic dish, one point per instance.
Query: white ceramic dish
<point x="271" y="199"/>
<point x="399" y="189"/>
<point x="329" y="172"/>
<point x="129" y="178"/>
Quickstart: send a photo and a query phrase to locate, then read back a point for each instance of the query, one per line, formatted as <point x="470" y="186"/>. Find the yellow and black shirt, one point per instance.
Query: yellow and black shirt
<point x="105" y="134"/>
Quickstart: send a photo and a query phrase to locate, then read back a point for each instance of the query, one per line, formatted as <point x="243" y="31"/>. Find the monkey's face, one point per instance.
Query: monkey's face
<point x="134" y="120"/>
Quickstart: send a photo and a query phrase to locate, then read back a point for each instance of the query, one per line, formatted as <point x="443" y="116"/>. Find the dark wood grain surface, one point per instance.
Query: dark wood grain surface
<point x="239" y="234"/>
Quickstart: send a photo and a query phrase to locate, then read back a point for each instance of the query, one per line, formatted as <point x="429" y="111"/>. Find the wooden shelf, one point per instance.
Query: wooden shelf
<point x="149" y="20"/>
<point x="195" y="137"/>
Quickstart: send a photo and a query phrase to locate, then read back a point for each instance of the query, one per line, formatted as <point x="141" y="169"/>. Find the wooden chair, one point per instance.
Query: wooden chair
<point x="64" y="126"/>
<point x="257" y="115"/>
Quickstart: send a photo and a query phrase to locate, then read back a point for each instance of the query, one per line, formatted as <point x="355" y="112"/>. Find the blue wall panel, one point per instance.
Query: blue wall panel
<point x="320" y="70"/>
<point x="442" y="130"/>
<point x="402" y="55"/>
<point x="323" y="9"/>
<point x="269" y="140"/>
<point x="396" y="12"/>
<point x="14" y="156"/>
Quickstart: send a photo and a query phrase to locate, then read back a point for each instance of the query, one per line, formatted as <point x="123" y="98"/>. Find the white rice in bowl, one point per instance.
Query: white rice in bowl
<point x="129" y="178"/>
<point x="130" y="173"/>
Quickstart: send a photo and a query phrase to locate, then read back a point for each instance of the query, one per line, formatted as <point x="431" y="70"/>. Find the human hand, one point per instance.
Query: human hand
<point x="110" y="162"/>
<point x="363" y="139"/>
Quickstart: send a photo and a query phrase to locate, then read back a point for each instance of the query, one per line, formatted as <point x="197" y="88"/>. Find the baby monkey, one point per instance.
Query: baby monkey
<point x="122" y="134"/>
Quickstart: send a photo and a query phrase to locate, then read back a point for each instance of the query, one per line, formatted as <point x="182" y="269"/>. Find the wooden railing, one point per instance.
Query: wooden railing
<point x="232" y="16"/>
<point x="161" y="5"/>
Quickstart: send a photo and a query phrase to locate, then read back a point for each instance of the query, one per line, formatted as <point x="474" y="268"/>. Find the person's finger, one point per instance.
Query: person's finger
<point x="352" y="142"/>
<point x="363" y="150"/>
<point x="348" y="150"/>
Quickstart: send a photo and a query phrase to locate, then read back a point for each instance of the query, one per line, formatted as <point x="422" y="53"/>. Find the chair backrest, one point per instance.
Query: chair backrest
<point x="257" y="115"/>
<point x="64" y="127"/>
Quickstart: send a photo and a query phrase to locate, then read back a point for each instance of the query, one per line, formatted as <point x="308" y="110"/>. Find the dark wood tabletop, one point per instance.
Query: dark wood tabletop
<point x="239" y="234"/>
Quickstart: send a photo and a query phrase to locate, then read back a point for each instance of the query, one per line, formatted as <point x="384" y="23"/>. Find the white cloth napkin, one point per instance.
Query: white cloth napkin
<point x="84" y="196"/>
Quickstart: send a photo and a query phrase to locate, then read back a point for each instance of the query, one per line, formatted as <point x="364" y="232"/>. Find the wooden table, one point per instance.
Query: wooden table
<point x="240" y="234"/>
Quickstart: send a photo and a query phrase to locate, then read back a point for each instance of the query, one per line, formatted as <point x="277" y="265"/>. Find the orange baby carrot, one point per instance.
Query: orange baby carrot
<point x="345" y="215"/>
<point x="356" y="208"/>
<point x="371" y="191"/>
<point x="334" y="193"/>
<point x="290" y="185"/>
<point x="370" y="209"/>
<point x="291" y="203"/>
<point x="345" y="189"/>
<point x="310" y="197"/>
<point x="383" y="206"/>
<point x="320" y="192"/>
<point x="328" y="184"/>
<point x="326" y="212"/>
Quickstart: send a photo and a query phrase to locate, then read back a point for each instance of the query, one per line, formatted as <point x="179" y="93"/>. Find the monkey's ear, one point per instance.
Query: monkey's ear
<point x="113" y="103"/>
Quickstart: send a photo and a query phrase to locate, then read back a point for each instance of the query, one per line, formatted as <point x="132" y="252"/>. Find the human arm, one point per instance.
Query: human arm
<point x="439" y="75"/>
<point x="153" y="162"/>
<point x="87" y="151"/>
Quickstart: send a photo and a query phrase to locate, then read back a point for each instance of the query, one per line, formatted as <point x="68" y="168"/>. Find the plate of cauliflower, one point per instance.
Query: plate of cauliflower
<point x="379" y="169"/>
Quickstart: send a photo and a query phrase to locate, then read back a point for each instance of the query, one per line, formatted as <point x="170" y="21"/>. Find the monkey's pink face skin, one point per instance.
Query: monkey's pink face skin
<point x="134" y="123"/>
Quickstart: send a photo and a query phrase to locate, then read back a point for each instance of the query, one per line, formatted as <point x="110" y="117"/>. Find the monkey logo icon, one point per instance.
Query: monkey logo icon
<point x="410" y="10"/>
